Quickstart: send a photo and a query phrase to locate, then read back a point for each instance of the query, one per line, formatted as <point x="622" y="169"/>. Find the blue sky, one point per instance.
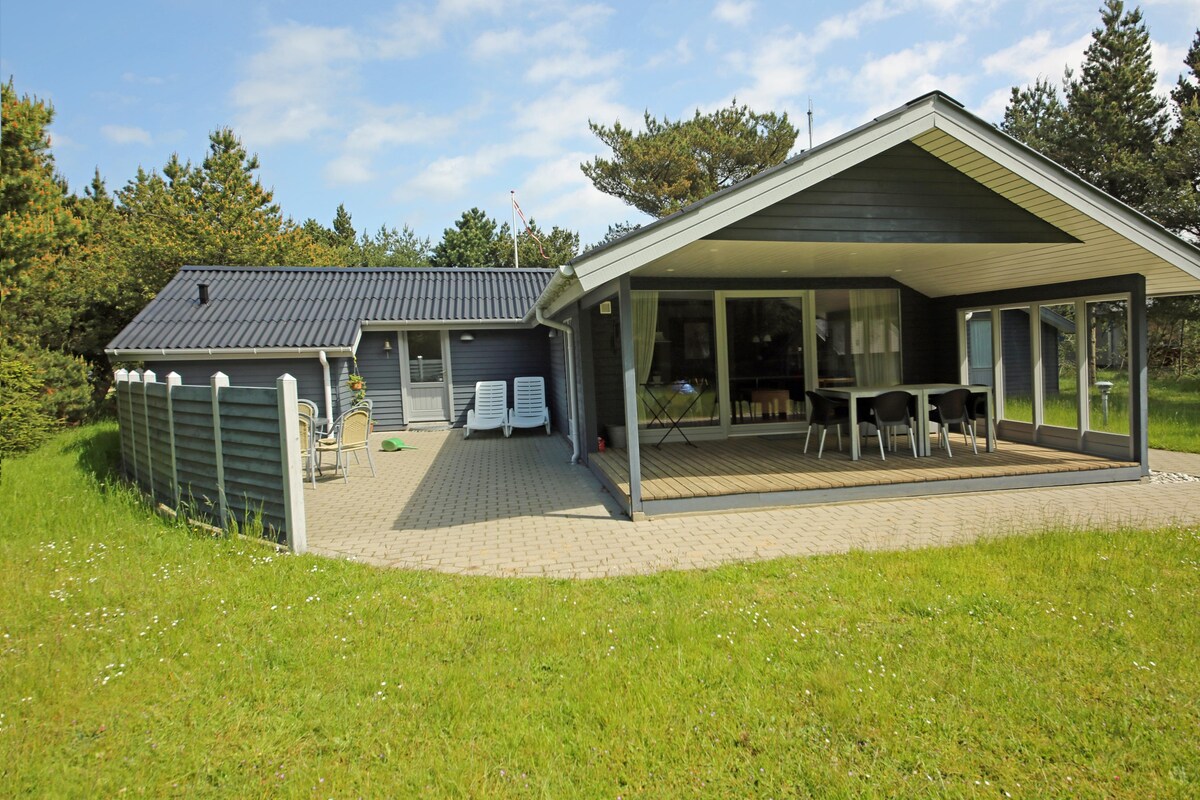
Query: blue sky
<point x="412" y="112"/>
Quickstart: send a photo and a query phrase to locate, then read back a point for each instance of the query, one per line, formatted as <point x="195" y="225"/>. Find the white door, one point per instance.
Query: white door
<point x="425" y="378"/>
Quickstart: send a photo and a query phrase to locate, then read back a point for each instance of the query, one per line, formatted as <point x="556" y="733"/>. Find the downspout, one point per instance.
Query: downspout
<point x="566" y="271"/>
<point x="328" y="387"/>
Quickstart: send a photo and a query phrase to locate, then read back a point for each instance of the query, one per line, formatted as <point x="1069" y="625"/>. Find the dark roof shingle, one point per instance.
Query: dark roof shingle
<point x="319" y="307"/>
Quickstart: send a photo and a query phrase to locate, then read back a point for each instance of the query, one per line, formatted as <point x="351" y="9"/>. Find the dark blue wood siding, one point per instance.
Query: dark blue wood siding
<point x="310" y="381"/>
<point x="496" y="355"/>
<point x="904" y="195"/>
<point x="380" y="368"/>
<point x="556" y="383"/>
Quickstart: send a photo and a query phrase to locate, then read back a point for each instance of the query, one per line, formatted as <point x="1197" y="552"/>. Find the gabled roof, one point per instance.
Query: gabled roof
<point x="309" y="309"/>
<point x="1100" y="236"/>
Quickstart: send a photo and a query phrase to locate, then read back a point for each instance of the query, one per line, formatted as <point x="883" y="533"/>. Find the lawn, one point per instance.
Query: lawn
<point x="1174" y="409"/>
<point x="139" y="658"/>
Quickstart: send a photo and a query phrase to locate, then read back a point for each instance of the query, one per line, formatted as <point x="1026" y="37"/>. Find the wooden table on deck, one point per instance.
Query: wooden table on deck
<point x="923" y="392"/>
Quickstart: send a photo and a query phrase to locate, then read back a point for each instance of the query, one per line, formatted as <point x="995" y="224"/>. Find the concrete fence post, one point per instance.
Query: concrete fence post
<point x="218" y="382"/>
<point x="134" y="439"/>
<point x="290" y="459"/>
<point x="120" y="378"/>
<point x="173" y="379"/>
<point x="148" y="377"/>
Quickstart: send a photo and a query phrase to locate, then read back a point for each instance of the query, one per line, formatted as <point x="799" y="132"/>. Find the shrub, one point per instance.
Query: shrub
<point x="24" y="417"/>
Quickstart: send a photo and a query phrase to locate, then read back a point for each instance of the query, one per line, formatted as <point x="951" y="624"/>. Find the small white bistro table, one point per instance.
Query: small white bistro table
<point x="923" y="392"/>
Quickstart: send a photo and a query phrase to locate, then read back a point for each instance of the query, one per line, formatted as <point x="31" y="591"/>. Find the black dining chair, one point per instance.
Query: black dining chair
<point x="950" y="408"/>
<point x="977" y="409"/>
<point x="825" y="412"/>
<point x="892" y="411"/>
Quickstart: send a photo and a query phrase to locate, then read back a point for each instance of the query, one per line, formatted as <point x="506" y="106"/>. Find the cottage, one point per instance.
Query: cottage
<point x="925" y="247"/>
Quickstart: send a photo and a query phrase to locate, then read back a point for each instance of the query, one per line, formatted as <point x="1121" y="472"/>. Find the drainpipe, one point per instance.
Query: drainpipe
<point x="328" y="387"/>
<point x="566" y="271"/>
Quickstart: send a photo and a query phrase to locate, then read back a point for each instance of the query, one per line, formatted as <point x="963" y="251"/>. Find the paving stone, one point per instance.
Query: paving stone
<point x="495" y="506"/>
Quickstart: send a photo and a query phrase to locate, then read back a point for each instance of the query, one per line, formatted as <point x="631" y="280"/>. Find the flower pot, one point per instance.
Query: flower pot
<point x="356" y="385"/>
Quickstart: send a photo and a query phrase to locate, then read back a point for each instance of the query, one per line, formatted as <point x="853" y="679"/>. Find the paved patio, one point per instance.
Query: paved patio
<point x="494" y="506"/>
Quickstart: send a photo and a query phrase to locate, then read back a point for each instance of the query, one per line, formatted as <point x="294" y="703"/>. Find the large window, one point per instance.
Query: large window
<point x="675" y="356"/>
<point x="1062" y="370"/>
<point x="1016" y="352"/>
<point x="1060" y="366"/>
<point x="858" y="337"/>
<point x="765" y="340"/>
<point x="1108" y="366"/>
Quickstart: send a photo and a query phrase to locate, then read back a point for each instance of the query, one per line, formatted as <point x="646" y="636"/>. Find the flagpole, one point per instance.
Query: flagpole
<point x="512" y="195"/>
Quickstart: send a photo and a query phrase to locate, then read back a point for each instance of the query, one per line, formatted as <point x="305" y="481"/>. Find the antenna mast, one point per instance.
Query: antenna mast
<point x="810" y="118"/>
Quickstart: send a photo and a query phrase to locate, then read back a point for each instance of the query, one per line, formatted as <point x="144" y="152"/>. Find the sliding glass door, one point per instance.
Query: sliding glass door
<point x="764" y="341"/>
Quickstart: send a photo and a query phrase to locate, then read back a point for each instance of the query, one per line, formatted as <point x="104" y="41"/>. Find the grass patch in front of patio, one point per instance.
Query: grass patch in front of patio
<point x="137" y="655"/>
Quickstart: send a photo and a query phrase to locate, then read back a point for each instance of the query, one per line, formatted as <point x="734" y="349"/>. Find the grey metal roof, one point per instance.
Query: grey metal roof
<point x="312" y="308"/>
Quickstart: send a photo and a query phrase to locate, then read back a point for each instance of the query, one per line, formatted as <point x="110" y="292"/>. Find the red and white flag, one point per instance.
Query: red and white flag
<point x="517" y="210"/>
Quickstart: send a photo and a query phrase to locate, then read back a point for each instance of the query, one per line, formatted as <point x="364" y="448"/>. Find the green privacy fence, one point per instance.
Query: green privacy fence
<point x="229" y="455"/>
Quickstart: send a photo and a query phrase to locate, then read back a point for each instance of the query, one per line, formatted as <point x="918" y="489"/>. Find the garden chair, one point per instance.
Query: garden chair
<point x="350" y="435"/>
<point x="950" y="408"/>
<point x="825" y="412"/>
<point x="893" y="412"/>
<point x="491" y="408"/>
<point x="308" y="444"/>
<point x="529" y="405"/>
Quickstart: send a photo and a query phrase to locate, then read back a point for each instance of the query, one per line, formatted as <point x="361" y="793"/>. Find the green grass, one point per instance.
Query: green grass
<point x="142" y="658"/>
<point x="1175" y="414"/>
<point x="1174" y="406"/>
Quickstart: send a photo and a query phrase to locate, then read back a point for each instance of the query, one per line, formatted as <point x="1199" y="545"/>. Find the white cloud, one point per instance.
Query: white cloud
<point x="1036" y="56"/>
<point x="564" y="113"/>
<point x="781" y="68"/>
<point x="125" y="134"/>
<point x="733" y="12"/>
<point x="496" y="44"/>
<point x="377" y="130"/>
<point x="572" y="66"/>
<point x="905" y="74"/>
<point x="780" y="71"/>
<point x="448" y="178"/>
<point x="415" y="29"/>
<point x="291" y="88"/>
<point x="849" y="25"/>
<point x="348" y="168"/>
<point x="992" y="107"/>
<point x="678" y="55"/>
<point x="1168" y="63"/>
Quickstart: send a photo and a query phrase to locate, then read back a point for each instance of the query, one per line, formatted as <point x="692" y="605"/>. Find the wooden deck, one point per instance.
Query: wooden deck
<point x="758" y="466"/>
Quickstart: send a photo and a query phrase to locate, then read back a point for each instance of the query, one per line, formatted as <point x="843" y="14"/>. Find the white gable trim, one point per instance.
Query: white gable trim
<point x="1073" y="191"/>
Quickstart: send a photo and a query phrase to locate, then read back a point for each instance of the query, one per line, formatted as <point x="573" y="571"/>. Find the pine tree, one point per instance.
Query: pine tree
<point x="673" y="164"/>
<point x="469" y="243"/>
<point x="36" y="222"/>
<point x="1037" y="117"/>
<point x="556" y="247"/>
<point x="1177" y="205"/>
<point x="1115" y="121"/>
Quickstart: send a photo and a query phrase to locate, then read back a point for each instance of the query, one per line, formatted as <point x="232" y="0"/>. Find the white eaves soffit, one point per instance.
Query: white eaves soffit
<point x="1111" y="239"/>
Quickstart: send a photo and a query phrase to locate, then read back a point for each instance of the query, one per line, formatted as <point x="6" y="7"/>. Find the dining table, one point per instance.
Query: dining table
<point x="924" y="393"/>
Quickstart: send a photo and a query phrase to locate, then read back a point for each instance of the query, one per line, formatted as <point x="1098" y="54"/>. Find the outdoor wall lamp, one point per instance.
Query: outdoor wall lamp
<point x="467" y="337"/>
<point x="387" y="347"/>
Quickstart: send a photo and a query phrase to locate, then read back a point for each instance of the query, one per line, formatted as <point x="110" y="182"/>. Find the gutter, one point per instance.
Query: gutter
<point x="272" y="352"/>
<point x="328" y="387"/>
<point x="563" y="275"/>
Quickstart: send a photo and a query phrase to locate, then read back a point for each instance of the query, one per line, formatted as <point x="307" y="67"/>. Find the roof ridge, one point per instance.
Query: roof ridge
<point x="338" y="270"/>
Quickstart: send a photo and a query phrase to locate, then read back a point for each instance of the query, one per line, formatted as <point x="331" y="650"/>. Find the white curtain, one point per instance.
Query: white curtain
<point x="645" y="324"/>
<point x="875" y="336"/>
